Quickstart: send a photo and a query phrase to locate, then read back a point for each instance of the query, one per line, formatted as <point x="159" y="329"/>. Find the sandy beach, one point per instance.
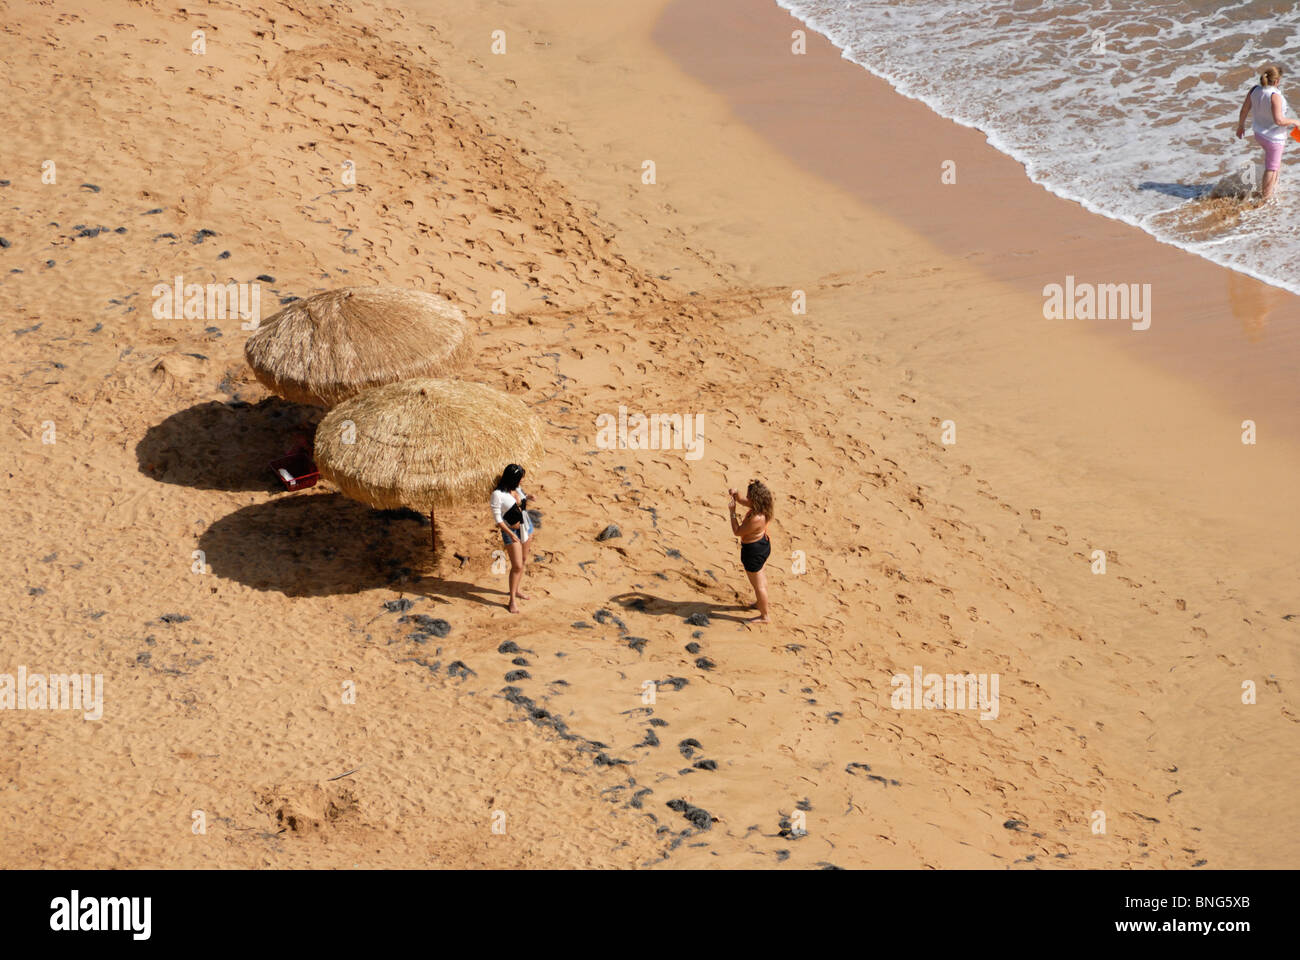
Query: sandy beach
<point x="629" y="716"/>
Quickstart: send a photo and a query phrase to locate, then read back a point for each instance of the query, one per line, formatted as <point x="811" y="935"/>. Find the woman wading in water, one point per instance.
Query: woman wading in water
<point x="755" y="545"/>
<point x="1266" y="108"/>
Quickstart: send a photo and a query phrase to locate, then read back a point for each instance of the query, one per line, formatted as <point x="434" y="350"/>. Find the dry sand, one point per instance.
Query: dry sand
<point x="521" y="172"/>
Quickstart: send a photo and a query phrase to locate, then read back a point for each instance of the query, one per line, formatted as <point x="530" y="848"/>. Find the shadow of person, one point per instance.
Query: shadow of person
<point x="224" y="446"/>
<point x="659" y="606"/>
<point x="438" y="590"/>
<point x="1183" y="191"/>
<point x="323" y="544"/>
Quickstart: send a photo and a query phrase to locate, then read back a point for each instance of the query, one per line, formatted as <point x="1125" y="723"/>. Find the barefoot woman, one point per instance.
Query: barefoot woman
<point x="755" y="546"/>
<point x="510" y="511"/>
<point x="1266" y="107"/>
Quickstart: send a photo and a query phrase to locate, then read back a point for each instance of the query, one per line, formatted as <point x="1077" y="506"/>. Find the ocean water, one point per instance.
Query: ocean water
<point x="1128" y="107"/>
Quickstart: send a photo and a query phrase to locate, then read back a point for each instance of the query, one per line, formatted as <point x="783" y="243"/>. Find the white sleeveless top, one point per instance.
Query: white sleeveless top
<point x="1261" y="114"/>
<point x="503" y="501"/>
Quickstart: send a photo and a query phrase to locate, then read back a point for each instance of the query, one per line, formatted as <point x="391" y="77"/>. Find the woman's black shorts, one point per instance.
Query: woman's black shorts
<point x="754" y="555"/>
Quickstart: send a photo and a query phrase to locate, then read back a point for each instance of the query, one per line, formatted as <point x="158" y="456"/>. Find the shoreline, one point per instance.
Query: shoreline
<point x="793" y="103"/>
<point x="1066" y="196"/>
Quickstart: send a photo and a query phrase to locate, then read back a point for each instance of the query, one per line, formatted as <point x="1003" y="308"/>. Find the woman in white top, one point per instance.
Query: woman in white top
<point x="510" y="511"/>
<point x="1267" y="110"/>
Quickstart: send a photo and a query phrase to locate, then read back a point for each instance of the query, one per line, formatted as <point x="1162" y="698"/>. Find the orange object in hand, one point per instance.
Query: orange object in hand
<point x="1295" y="134"/>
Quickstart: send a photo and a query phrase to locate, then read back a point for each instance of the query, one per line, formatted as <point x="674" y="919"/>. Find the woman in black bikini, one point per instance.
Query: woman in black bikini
<point x="755" y="545"/>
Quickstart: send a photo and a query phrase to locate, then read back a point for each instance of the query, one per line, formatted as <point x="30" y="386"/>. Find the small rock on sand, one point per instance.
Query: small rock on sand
<point x="427" y="625"/>
<point x="698" y="816"/>
<point x="609" y="533"/>
<point x="698" y="619"/>
<point x="603" y="616"/>
<point x="458" y="669"/>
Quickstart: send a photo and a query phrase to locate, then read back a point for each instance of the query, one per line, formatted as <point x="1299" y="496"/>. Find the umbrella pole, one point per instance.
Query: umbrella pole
<point x="433" y="535"/>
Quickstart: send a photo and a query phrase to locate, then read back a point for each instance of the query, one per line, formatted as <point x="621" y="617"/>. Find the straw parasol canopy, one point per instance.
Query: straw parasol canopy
<point x="335" y="344"/>
<point x="425" y="444"/>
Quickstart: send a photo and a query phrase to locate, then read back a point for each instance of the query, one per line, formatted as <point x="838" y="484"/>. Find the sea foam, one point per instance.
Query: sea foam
<point x="1127" y="107"/>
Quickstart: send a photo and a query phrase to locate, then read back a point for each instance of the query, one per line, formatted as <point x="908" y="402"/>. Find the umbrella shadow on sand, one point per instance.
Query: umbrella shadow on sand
<point x="315" y="545"/>
<point x="224" y="446"/>
<point x="659" y="606"/>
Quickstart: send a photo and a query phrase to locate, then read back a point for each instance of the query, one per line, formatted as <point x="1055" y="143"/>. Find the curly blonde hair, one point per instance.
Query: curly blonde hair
<point x="760" y="499"/>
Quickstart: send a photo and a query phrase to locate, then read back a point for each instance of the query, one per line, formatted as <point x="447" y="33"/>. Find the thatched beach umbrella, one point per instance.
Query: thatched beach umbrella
<point x="425" y="444"/>
<point x="335" y="344"/>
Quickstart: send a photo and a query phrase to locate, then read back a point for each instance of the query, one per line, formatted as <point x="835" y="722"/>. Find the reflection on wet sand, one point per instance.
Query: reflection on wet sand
<point x="1252" y="301"/>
